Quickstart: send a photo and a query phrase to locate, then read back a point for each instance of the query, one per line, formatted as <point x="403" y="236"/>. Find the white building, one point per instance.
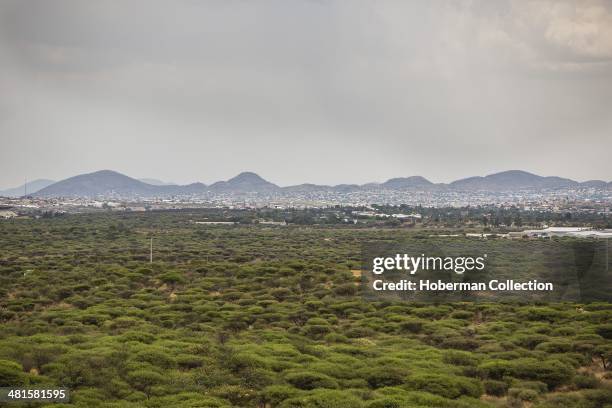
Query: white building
<point x="407" y="216"/>
<point x="7" y="214"/>
<point x="549" y="232"/>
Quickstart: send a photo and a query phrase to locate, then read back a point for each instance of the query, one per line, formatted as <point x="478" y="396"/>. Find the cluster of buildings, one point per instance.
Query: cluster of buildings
<point x="555" y="201"/>
<point x="552" y="200"/>
<point x="550" y="232"/>
<point x="7" y="213"/>
<point x="547" y="232"/>
<point x="374" y="214"/>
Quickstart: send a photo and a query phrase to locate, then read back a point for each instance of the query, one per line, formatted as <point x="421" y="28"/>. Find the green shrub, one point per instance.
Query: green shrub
<point x="336" y="338"/>
<point x="189" y="361"/>
<point x="494" y="387"/>
<point x="395" y="396"/>
<point x="387" y="402"/>
<point x="172" y="278"/>
<point x="523" y="394"/>
<point x="551" y="372"/>
<point x="462" y="314"/>
<point x="324" y="399"/>
<point x="141" y="337"/>
<point x="448" y="386"/>
<point x="530" y="341"/>
<point x="496" y="369"/>
<point x="605" y="331"/>
<point x="143" y="380"/>
<point x="155" y="356"/>
<point x="186" y="400"/>
<point x="598" y="397"/>
<point x="540" y="313"/>
<point x="275" y="394"/>
<point x="459" y="343"/>
<point x="581" y="381"/>
<point x="378" y="377"/>
<point x="556" y="346"/>
<point x="537" y="386"/>
<point x="432" y="312"/>
<point x="239" y="396"/>
<point x="457" y="357"/>
<point x="308" y="380"/>
<point x="11" y="374"/>
<point x="245" y="361"/>
<point x="356" y="332"/>
<point x="411" y="326"/>
<point x="316" y="331"/>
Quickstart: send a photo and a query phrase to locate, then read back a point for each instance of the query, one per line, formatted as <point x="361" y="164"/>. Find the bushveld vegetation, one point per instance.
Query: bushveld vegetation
<point x="260" y="316"/>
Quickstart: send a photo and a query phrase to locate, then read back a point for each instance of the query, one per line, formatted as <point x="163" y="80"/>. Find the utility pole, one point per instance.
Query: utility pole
<point x="25" y="187"/>
<point x="151" y="251"/>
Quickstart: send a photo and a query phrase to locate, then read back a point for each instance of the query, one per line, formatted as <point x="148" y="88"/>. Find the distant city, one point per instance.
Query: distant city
<point x="114" y="191"/>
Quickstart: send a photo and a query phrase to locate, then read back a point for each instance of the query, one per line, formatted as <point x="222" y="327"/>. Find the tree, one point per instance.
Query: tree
<point x="11" y="374"/>
<point x="143" y="380"/>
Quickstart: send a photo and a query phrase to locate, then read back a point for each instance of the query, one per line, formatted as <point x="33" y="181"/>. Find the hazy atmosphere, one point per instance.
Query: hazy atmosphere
<point x="305" y="91"/>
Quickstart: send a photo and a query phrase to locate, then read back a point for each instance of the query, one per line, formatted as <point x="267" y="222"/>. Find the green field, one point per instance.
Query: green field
<point x="270" y="316"/>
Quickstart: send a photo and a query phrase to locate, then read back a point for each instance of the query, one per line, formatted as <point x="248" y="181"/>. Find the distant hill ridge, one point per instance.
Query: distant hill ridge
<point x="32" y="187"/>
<point x="156" y="182"/>
<point x="108" y="182"/>
<point x="512" y="180"/>
<point x="244" y="182"/>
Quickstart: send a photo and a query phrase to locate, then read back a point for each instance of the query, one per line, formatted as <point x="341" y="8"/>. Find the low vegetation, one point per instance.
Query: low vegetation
<point x="269" y="316"/>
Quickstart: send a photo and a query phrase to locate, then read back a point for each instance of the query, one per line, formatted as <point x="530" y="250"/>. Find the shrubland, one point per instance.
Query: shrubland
<point x="258" y="316"/>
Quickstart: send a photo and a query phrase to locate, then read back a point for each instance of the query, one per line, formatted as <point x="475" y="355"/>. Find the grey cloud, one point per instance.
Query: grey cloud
<point x="343" y="91"/>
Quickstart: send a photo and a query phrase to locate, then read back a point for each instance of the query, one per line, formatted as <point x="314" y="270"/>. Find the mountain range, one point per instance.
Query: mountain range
<point x="156" y="182"/>
<point x="32" y="187"/>
<point x="111" y="183"/>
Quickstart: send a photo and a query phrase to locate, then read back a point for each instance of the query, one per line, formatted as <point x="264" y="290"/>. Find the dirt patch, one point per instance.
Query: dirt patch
<point x="596" y="369"/>
<point x="357" y="275"/>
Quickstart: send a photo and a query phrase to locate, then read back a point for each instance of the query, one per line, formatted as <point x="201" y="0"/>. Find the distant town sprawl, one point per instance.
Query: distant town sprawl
<point x="512" y="201"/>
<point x="584" y="200"/>
<point x="580" y="213"/>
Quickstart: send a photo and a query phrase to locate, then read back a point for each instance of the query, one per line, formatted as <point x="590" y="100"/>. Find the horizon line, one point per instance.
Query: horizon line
<point x="296" y="184"/>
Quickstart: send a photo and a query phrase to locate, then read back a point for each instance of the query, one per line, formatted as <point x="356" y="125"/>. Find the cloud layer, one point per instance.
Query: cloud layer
<point x="321" y="91"/>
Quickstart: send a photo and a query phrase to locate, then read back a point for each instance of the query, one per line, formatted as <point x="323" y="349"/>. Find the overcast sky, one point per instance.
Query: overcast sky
<point x="305" y="91"/>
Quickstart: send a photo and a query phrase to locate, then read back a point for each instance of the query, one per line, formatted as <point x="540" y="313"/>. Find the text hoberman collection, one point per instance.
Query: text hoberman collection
<point x="493" y="285"/>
